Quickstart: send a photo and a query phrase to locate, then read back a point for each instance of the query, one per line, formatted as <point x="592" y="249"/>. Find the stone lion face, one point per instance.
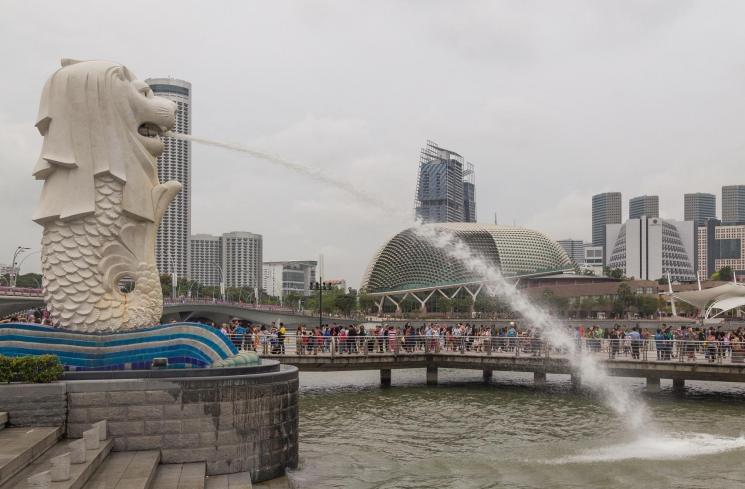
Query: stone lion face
<point x="153" y="115"/>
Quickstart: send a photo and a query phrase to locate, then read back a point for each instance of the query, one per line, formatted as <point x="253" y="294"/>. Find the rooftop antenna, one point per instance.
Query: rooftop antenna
<point x="495" y="219"/>
<point x="672" y="297"/>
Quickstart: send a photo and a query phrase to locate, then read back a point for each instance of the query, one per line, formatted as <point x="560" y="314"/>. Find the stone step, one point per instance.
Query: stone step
<point x="180" y="476"/>
<point x="278" y="483"/>
<point x="126" y="470"/>
<point x="79" y="473"/>
<point x="3" y="420"/>
<point x="21" y="446"/>
<point x="241" y="480"/>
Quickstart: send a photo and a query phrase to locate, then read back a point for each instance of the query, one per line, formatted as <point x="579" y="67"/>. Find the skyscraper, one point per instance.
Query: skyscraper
<point x="172" y="247"/>
<point x="606" y="209"/>
<point x="733" y="204"/>
<point x="575" y="249"/>
<point x="649" y="248"/>
<point x="699" y="206"/>
<point x="445" y="188"/>
<point x="206" y="256"/>
<point x="242" y="257"/>
<point x="284" y="277"/>
<point x="644" y="205"/>
<point x="233" y="258"/>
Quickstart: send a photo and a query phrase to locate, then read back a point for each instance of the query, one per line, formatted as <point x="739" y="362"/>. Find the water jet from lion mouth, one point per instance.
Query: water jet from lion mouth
<point x="314" y="173"/>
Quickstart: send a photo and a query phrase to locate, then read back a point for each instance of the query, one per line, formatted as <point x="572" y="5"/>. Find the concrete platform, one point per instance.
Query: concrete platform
<point x="278" y="483"/>
<point x="21" y="446"/>
<point x="240" y="480"/>
<point x="180" y="476"/>
<point x="126" y="470"/>
<point x="79" y="473"/>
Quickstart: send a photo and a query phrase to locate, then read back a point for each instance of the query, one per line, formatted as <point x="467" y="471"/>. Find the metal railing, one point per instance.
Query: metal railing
<point x="20" y="291"/>
<point x="628" y="349"/>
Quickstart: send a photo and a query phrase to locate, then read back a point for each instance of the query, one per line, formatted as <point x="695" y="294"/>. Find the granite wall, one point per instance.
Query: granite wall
<point x="234" y="423"/>
<point x="34" y="404"/>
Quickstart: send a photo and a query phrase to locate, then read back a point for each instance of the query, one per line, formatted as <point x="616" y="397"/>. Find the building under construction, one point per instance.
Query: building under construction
<point x="446" y="186"/>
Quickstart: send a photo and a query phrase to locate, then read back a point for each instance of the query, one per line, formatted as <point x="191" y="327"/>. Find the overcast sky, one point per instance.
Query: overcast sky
<point x="552" y="102"/>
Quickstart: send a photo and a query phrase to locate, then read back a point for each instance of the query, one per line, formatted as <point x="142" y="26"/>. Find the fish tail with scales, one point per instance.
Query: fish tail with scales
<point x="74" y="250"/>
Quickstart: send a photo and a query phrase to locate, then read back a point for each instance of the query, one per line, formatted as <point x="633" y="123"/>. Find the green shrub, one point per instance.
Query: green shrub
<point x="40" y="369"/>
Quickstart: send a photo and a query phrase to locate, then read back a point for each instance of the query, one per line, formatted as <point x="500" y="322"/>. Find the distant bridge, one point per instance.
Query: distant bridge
<point x="678" y="360"/>
<point x="15" y="299"/>
<point x="220" y="312"/>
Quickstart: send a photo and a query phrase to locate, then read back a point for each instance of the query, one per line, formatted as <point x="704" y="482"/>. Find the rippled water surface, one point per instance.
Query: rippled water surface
<point x="463" y="434"/>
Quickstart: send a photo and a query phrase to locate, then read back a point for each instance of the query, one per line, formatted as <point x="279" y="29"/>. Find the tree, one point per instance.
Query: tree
<point x="367" y="303"/>
<point x="625" y="294"/>
<point x="647" y="305"/>
<point x="616" y="273"/>
<point x="28" y="280"/>
<point x="345" y="303"/>
<point x="726" y="274"/>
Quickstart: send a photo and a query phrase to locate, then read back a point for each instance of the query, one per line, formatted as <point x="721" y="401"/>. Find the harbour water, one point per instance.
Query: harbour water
<point x="508" y="434"/>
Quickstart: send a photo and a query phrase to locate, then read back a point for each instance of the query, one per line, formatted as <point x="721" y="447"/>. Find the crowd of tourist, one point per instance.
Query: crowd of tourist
<point x="667" y="342"/>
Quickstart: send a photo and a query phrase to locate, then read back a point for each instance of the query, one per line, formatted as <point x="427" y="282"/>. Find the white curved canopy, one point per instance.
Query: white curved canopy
<point x="722" y="298"/>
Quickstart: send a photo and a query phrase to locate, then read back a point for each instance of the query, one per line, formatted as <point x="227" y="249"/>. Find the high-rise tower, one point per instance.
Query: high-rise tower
<point x="733" y="204"/>
<point x="172" y="248"/>
<point x="606" y="209"/>
<point x="644" y="205"/>
<point x="699" y="207"/>
<point x="445" y="187"/>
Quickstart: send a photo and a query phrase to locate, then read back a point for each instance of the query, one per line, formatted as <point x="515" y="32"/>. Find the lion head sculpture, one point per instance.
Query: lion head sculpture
<point x="97" y="118"/>
<point x="101" y="202"/>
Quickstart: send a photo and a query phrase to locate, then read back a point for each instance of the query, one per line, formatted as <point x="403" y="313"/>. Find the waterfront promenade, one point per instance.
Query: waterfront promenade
<point x="649" y="359"/>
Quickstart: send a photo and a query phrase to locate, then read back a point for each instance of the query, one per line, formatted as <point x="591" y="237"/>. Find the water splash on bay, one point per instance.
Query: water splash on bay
<point x="672" y="446"/>
<point x="624" y="402"/>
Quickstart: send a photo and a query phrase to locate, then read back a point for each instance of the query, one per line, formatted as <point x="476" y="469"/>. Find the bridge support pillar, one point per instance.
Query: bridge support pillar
<point x="653" y="384"/>
<point x="679" y="385"/>
<point x="576" y="382"/>
<point x="385" y="377"/>
<point x="431" y="375"/>
<point x="539" y="378"/>
<point x="487" y="375"/>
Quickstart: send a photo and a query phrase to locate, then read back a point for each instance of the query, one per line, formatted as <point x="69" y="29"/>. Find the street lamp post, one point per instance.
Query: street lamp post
<point x="222" y="280"/>
<point x="174" y="280"/>
<point x="320" y="287"/>
<point x="13" y="274"/>
<point x="20" y="263"/>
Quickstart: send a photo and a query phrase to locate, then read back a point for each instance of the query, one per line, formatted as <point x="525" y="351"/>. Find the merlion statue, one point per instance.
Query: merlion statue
<point x="101" y="202"/>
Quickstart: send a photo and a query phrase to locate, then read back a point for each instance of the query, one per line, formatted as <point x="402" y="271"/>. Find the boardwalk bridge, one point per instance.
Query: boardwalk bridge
<point x="676" y="360"/>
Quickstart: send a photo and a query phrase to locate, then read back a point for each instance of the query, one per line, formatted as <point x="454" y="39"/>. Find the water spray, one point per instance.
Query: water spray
<point x="594" y="375"/>
<point x="307" y="171"/>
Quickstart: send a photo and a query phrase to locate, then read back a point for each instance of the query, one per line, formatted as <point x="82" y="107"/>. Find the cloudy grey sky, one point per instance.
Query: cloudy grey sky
<point x="552" y="101"/>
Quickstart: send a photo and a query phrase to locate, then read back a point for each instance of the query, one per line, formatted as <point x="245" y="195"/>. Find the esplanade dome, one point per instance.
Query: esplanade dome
<point x="410" y="261"/>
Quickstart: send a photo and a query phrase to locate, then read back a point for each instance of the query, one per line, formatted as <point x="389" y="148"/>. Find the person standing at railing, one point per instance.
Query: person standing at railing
<point x="511" y="337"/>
<point x="264" y="340"/>
<point x="615" y="342"/>
<point x="688" y="345"/>
<point x="342" y="340"/>
<point x="392" y="338"/>
<point x="299" y="341"/>
<point x="281" y="333"/>
<point x="711" y="346"/>
<point x="239" y="333"/>
<point x="636" y="342"/>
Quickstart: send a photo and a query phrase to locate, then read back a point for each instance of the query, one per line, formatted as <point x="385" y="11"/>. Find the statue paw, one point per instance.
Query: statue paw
<point x="163" y="194"/>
